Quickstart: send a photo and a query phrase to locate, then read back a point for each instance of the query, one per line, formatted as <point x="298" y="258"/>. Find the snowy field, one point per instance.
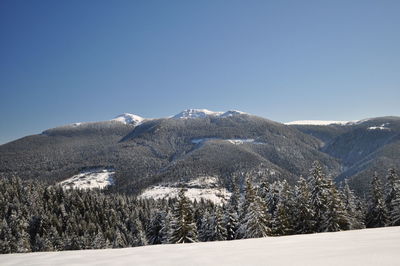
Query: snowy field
<point x="360" y="247"/>
<point x="89" y="179"/>
<point x="205" y="188"/>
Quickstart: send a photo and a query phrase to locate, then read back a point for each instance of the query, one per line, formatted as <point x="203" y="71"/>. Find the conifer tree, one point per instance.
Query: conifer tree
<point x="377" y="214"/>
<point x="319" y="196"/>
<point x="231" y="222"/>
<point x="283" y="220"/>
<point x="355" y="214"/>
<point x="154" y="233"/>
<point x="183" y="227"/>
<point x="393" y="197"/>
<point x="256" y="221"/>
<point x="216" y="226"/>
<point x="303" y="210"/>
<point x="138" y="234"/>
<point x="336" y="218"/>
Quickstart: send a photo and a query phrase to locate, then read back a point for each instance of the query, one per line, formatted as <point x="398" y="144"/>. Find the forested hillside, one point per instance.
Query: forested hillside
<point x="37" y="217"/>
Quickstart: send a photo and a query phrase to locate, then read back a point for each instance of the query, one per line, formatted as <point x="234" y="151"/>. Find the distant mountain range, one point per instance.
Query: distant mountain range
<point x="198" y="142"/>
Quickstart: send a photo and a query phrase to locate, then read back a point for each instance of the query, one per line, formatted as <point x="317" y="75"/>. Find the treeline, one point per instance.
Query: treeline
<point x="36" y="217"/>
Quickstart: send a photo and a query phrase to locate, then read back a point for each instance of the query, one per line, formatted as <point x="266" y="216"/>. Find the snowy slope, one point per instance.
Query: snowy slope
<point x="195" y="113"/>
<point x="205" y="188"/>
<point x="381" y="127"/>
<point x="231" y="141"/>
<point x="89" y="179"/>
<point x="127" y="118"/>
<point x="361" y="247"/>
<point x="201" y="113"/>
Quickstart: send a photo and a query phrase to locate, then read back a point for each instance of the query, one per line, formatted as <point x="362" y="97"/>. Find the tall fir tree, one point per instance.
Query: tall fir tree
<point x="393" y="197"/>
<point x="183" y="227"/>
<point x="283" y="220"/>
<point x="303" y="210"/>
<point x="336" y="218"/>
<point x="355" y="214"/>
<point x="319" y="196"/>
<point x="256" y="221"/>
<point x="377" y="214"/>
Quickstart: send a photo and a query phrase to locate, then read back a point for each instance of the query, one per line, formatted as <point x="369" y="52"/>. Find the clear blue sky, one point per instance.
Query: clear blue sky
<point x="70" y="61"/>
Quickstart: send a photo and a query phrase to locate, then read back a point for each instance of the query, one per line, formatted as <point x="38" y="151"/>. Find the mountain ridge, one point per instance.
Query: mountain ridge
<point x="146" y="152"/>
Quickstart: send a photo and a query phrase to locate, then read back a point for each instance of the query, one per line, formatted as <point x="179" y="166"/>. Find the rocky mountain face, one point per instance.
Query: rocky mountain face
<point x="197" y="143"/>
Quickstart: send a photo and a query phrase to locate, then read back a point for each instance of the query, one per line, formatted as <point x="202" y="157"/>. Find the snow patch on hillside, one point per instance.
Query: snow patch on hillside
<point x="381" y="127"/>
<point x="319" y="122"/>
<point x="368" y="247"/>
<point x="205" y="188"/>
<point x="127" y="118"/>
<point x="231" y="141"/>
<point x="90" y="179"/>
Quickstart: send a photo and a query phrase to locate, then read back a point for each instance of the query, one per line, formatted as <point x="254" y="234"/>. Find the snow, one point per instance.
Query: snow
<point x="319" y="122"/>
<point x="127" y="118"/>
<point x="381" y="127"/>
<point x="231" y="141"/>
<point x="232" y="113"/>
<point x="202" y="113"/>
<point x="205" y="188"/>
<point x="242" y="141"/>
<point x="89" y="179"/>
<point x="196" y="113"/>
<point x="359" y="247"/>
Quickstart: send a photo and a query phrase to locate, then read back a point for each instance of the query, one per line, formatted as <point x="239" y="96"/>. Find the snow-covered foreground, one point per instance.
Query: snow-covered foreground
<point x="361" y="247"/>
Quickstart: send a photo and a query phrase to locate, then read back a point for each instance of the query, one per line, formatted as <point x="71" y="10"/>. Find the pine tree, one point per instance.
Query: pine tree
<point x="377" y="214"/>
<point x="183" y="227"/>
<point x="336" y="218"/>
<point x="319" y="196"/>
<point x="138" y="234"/>
<point x="355" y="214"/>
<point x="154" y="233"/>
<point x="393" y="197"/>
<point x="5" y="237"/>
<point x="303" y="210"/>
<point x="256" y="221"/>
<point x="283" y="222"/>
<point x="166" y="228"/>
<point x="214" y="227"/>
<point x="231" y="222"/>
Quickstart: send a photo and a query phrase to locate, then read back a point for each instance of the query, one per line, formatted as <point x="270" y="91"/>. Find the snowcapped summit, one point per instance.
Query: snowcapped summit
<point x="232" y="113"/>
<point x="318" y="122"/>
<point x="201" y="113"/>
<point x="129" y="119"/>
<point x="196" y="113"/>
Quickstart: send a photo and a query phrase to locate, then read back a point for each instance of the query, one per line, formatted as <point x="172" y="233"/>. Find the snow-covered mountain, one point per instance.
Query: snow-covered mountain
<point x="196" y="113"/>
<point x="128" y="118"/>
<point x="201" y="113"/>
<point x="358" y="247"/>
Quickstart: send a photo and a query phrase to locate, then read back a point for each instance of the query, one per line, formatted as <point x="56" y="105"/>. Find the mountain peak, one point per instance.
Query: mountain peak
<point x="128" y="118"/>
<point x="201" y="113"/>
<point x="232" y="113"/>
<point x="196" y="113"/>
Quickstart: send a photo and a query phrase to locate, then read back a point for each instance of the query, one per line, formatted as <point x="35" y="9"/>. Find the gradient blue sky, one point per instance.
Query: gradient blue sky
<point x="70" y="61"/>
